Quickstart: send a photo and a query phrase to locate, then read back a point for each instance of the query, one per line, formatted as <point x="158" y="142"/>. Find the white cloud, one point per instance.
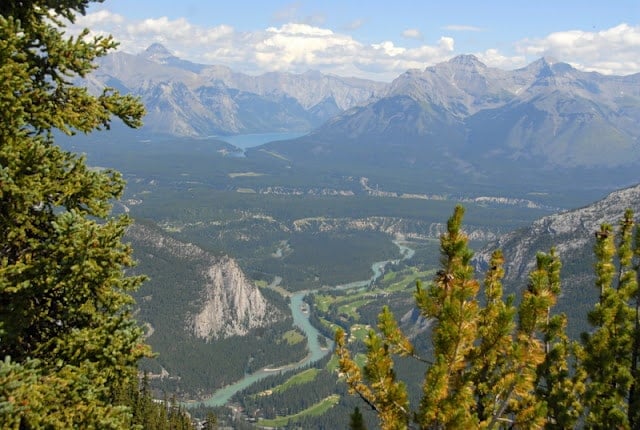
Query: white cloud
<point x="301" y="30"/>
<point x="293" y="47"/>
<point x="298" y="47"/>
<point x="102" y="17"/>
<point x="446" y="43"/>
<point x="614" y="50"/>
<point x="300" y="44"/>
<point x="163" y="26"/>
<point x="494" y="58"/>
<point x="388" y="48"/>
<point x="412" y="33"/>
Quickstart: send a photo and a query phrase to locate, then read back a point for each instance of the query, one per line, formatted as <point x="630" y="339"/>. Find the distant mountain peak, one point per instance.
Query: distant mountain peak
<point x="156" y="51"/>
<point x="157" y="48"/>
<point x="313" y="74"/>
<point x="545" y="68"/>
<point x="541" y="68"/>
<point x="467" y="60"/>
<point x="541" y="62"/>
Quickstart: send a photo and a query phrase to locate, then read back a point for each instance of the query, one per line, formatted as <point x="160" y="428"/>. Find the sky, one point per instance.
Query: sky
<point x="376" y="39"/>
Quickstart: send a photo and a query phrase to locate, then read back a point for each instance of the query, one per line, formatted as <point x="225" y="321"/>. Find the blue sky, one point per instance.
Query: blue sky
<point x="377" y="39"/>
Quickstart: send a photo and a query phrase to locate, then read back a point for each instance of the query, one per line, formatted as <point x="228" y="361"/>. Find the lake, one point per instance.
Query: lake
<point x="244" y="141"/>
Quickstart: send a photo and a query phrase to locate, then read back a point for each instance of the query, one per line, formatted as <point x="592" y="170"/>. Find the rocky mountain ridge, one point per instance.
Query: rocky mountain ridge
<point x="189" y="99"/>
<point x="547" y="112"/>
<point x="571" y="233"/>
<point x="464" y="85"/>
<point x="544" y="128"/>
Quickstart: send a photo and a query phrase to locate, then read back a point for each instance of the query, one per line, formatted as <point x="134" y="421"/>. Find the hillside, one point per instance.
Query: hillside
<point x="200" y="309"/>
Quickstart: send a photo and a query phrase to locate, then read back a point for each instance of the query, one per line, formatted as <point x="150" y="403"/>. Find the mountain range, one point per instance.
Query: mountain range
<point x="463" y="127"/>
<point x="188" y="99"/>
<point x="546" y="132"/>
<point x="547" y="113"/>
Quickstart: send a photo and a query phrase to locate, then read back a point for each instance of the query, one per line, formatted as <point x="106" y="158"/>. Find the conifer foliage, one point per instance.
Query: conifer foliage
<point x="497" y="365"/>
<point x="67" y="340"/>
<point x="610" y="352"/>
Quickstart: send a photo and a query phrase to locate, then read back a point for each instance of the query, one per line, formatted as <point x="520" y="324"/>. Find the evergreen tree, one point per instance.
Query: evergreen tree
<point x="211" y="422"/>
<point x="386" y="395"/>
<point x="150" y="414"/>
<point x="65" y="325"/>
<point x="495" y="366"/>
<point x="356" y="420"/>
<point x="559" y="385"/>
<point x="490" y="360"/>
<point x="533" y="343"/>
<point x="451" y="302"/>
<point x="610" y="351"/>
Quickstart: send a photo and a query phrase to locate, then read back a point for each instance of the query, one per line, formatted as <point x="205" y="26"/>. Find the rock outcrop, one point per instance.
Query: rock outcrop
<point x="572" y="235"/>
<point x="228" y="304"/>
<point x="231" y="305"/>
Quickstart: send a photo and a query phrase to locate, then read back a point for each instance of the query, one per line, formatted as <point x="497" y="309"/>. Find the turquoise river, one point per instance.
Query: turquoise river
<point x="301" y="319"/>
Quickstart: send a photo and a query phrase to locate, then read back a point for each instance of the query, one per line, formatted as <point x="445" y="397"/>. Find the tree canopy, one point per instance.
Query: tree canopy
<point x="497" y="365"/>
<point x="68" y="341"/>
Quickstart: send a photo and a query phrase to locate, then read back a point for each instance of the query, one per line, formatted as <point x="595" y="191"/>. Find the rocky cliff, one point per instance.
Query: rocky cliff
<point x="230" y="305"/>
<point x="227" y="303"/>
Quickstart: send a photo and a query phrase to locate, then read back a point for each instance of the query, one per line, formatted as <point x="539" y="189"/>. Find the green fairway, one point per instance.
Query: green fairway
<point x="300" y="378"/>
<point x="315" y="410"/>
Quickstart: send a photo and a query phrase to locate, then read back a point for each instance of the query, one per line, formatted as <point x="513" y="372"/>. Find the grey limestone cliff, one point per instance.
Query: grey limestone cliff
<point x="230" y="305"/>
<point x="227" y="303"/>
